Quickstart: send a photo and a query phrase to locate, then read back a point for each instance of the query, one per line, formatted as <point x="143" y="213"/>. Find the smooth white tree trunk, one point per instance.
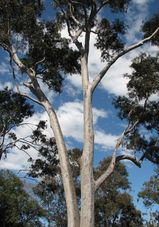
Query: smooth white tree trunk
<point x="70" y="195"/>
<point x="87" y="180"/>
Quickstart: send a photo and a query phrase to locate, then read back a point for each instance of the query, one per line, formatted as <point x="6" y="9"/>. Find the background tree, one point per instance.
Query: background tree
<point x="17" y="208"/>
<point x="113" y="205"/>
<point x="150" y="196"/>
<point x="36" y="47"/>
<point x="13" y="110"/>
<point x="141" y="108"/>
<point x="149" y="26"/>
<point x="49" y="191"/>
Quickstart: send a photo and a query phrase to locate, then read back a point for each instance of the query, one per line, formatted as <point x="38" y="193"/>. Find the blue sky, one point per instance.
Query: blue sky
<point x="69" y="104"/>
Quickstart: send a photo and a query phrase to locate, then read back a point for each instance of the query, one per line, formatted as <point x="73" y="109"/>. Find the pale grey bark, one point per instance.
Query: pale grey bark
<point x="87" y="179"/>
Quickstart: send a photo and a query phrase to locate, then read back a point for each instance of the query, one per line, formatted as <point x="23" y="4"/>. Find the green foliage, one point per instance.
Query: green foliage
<point x="38" y="42"/>
<point x="16" y="17"/>
<point x="113" y="205"/>
<point x="140" y="108"/>
<point x="50" y="194"/>
<point x="150" y="26"/>
<point x="145" y="72"/>
<point x="107" y="38"/>
<point x="16" y="206"/>
<point x="150" y="196"/>
<point x="150" y="191"/>
<point x="50" y="190"/>
<point x="120" y="5"/>
<point x="13" y="110"/>
<point x="41" y="167"/>
<point x="50" y="55"/>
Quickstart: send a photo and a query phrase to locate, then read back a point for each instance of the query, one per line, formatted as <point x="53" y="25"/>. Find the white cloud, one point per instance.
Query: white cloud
<point x="4" y="69"/>
<point x="105" y="140"/>
<point x="137" y="14"/>
<point x="114" y="82"/>
<point x="141" y="2"/>
<point x="75" y="81"/>
<point x="11" y="164"/>
<point x="71" y="119"/>
<point x="6" y="84"/>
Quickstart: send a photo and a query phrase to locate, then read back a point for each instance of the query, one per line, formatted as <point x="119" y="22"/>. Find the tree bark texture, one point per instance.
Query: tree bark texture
<point x="70" y="194"/>
<point x="87" y="180"/>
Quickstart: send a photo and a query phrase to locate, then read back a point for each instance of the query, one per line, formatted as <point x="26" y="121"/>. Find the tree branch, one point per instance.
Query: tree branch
<point x="4" y="46"/>
<point x="32" y="99"/>
<point x="72" y="16"/>
<point x="114" y="159"/>
<point x="16" y="59"/>
<point x="76" y="42"/>
<point x="102" y="73"/>
<point x="129" y="157"/>
<point x="28" y="96"/>
<point x="111" y="166"/>
<point x="102" y="5"/>
<point x="23" y="151"/>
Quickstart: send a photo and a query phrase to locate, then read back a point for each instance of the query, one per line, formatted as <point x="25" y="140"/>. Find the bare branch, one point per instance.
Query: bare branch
<point x="32" y="75"/>
<point x="102" y="5"/>
<point x="76" y="42"/>
<point x="130" y="128"/>
<point x="40" y="61"/>
<point x="73" y="16"/>
<point x="28" y="96"/>
<point x="32" y="99"/>
<point x="94" y="32"/>
<point x="23" y="170"/>
<point x="93" y="11"/>
<point x="29" y="178"/>
<point x="4" y="46"/>
<point x="111" y="166"/>
<point x="16" y="59"/>
<point x="23" y="151"/>
<point x="114" y="159"/>
<point x="129" y="157"/>
<point x="102" y="73"/>
<point x="75" y="36"/>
